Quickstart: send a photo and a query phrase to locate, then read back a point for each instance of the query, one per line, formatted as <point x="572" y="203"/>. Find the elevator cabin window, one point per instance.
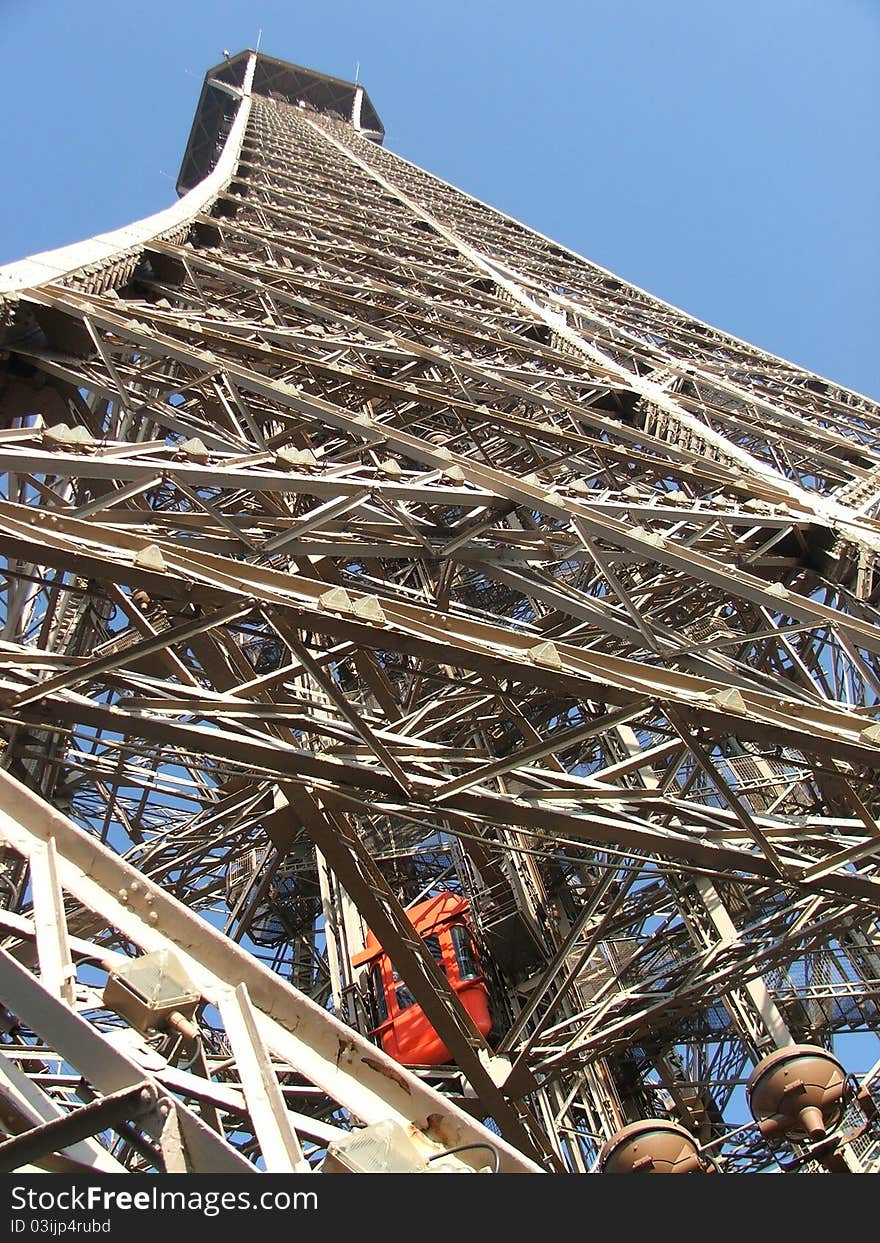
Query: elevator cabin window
<point x="405" y="998"/>
<point x="378" y="989"/>
<point x="468" y="967"/>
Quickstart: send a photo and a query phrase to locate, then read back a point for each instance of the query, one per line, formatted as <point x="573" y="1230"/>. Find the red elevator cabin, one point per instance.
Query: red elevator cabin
<point x="402" y="1027"/>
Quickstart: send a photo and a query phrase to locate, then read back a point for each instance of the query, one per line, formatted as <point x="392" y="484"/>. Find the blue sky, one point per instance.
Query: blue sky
<point x="722" y="156"/>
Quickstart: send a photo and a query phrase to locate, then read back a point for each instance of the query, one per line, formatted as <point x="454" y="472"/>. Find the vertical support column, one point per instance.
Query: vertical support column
<point x="756" y="990"/>
<point x="279" y="1143"/>
<point x="332" y="929"/>
<point x="356" y="106"/>
<point x="56" y="965"/>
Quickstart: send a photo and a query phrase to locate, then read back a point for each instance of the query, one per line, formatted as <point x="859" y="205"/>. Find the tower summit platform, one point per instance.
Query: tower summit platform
<point x="273" y="79"/>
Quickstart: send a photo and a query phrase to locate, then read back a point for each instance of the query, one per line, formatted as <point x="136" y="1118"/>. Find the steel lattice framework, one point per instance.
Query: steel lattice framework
<point x="359" y="543"/>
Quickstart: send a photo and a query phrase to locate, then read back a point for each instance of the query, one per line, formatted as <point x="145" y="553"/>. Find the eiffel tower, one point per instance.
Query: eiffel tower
<point x="363" y="550"/>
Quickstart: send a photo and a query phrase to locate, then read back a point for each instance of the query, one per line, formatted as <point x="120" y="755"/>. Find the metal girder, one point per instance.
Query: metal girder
<point x="28" y="1147"/>
<point x="118" y="1078"/>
